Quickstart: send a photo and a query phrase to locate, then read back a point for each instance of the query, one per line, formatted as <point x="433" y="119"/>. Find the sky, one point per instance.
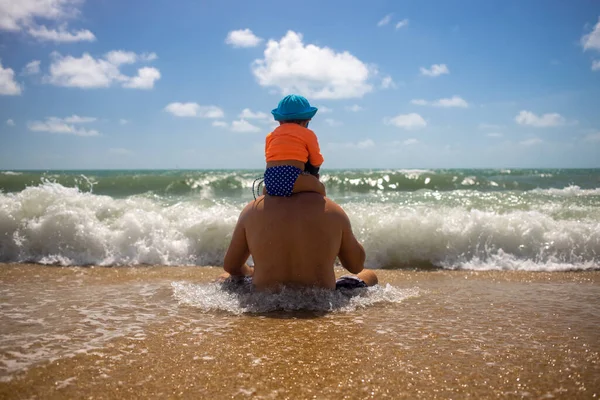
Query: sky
<point x="111" y="84"/>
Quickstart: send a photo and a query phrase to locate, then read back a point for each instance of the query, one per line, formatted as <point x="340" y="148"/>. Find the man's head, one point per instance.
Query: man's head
<point x="294" y="108"/>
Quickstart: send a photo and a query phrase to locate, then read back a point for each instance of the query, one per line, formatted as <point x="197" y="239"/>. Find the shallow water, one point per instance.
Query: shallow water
<point x="140" y="332"/>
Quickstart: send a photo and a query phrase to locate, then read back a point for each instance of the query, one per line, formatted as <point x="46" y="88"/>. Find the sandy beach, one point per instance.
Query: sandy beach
<point x="134" y="332"/>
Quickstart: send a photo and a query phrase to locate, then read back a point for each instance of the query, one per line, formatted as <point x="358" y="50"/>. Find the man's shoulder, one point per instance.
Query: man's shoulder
<point x="252" y="206"/>
<point x="294" y="201"/>
<point x="334" y="208"/>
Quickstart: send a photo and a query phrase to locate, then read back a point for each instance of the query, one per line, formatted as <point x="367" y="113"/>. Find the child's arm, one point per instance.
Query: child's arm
<point x="308" y="167"/>
<point x="308" y="183"/>
<point x="315" y="158"/>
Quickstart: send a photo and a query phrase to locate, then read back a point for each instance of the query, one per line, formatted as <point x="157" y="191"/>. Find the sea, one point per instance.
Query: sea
<point x="454" y="219"/>
<point x="489" y="285"/>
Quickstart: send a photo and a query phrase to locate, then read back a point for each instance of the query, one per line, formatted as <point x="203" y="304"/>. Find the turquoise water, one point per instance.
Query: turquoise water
<point x="456" y="219"/>
<point x="233" y="183"/>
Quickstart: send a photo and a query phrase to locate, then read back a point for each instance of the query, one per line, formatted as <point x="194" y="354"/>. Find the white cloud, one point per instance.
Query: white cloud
<point x="354" y="108"/>
<point x="592" y="137"/>
<point x="120" y="151"/>
<point x="147" y="56"/>
<point x="61" y="35"/>
<point x="406" y="121"/>
<point x="123" y="121"/>
<point x="435" y="70"/>
<point x="316" y="72"/>
<point x="16" y="14"/>
<point x="410" y="141"/>
<point x="591" y="41"/>
<point x="454" y="101"/>
<point x="388" y="83"/>
<point x="596" y="65"/>
<point x="243" y="126"/>
<point x="542" y="121"/>
<point x="385" y="20"/>
<point x="324" y="110"/>
<point x="194" y="110"/>
<point x="144" y="80"/>
<point x="21" y="15"/>
<point x="32" y="68"/>
<point x="118" y="57"/>
<point x="242" y="38"/>
<point x="88" y="72"/>
<point x="61" y="126"/>
<point x="8" y="85"/>
<point x="402" y="24"/>
<point x="248" y="114"/>
<point x="494" y="134"/>
<point x="76" y="119"/>
<point x="364" y="144"/>
<point x="220" y="124"/>
<point x="10" y="122"/>
<point x="531" y="142"/>
<point x="210" y="112"/>
<point x="333" y="122"/>
<point x="183" y="109"/>
<point x="85" y="72"/>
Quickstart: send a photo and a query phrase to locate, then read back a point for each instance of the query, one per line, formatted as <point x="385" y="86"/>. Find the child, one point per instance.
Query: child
<point x="291" y="149"/>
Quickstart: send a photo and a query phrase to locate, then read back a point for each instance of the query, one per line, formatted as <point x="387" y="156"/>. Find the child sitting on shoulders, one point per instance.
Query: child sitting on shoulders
<point x="291" y="149"/>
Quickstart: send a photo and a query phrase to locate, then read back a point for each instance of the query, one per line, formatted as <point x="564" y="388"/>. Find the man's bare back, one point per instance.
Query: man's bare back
<point x="294" y="242"/>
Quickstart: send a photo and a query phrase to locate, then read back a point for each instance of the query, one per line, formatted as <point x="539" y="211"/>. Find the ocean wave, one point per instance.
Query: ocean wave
<point x="458" y="238"/>
<point x="213" y="184"/>
<point x="53" y="224"/>
<point x="569" y="191"/>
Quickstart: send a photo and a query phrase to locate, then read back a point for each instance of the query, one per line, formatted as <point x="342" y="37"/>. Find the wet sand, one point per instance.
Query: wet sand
<point x="120" y="333"/>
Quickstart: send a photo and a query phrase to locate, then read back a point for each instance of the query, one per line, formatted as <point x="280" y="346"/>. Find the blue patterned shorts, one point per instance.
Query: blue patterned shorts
<point x="280" y="180"/>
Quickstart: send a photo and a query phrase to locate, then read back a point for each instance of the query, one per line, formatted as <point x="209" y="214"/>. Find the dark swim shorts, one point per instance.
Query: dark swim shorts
<point x="349" y="282"/>
<point x="280" y="180"/>
<point x="346" y="282"/>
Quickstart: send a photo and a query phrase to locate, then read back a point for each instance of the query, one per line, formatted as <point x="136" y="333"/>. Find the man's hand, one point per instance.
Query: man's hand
<point x="246" y="271"/>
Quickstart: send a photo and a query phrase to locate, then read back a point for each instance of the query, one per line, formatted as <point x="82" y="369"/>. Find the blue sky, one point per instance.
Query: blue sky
<point x="399" y="84"/>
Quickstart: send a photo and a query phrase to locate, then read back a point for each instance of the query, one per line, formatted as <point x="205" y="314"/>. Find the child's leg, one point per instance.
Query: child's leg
<point x="308" y="183"/>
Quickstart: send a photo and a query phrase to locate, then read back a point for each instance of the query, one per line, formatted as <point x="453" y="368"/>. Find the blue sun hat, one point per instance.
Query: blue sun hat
<point x="294" y="107"/>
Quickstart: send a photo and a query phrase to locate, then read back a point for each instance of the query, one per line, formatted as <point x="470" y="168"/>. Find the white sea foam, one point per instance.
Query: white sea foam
<point x="71" y="317"/>
<point x="212" y="297"/>
<point x="458" y="238"/>
<point x="66" y="321"/>
<point x="569" y="191"/>
<point x="415" y="173"/>
<point x="53" y="224"/>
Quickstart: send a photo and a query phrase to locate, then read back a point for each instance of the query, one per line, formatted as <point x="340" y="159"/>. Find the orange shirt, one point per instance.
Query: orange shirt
<point x="293" y="142"/>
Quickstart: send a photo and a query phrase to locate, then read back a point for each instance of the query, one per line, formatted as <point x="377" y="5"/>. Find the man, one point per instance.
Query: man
<point x="294" y="242"/>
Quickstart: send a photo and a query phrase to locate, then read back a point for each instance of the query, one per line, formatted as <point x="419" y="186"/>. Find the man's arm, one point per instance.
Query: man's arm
<point x="238" y="251"/>
<point x="352" y="253"/>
